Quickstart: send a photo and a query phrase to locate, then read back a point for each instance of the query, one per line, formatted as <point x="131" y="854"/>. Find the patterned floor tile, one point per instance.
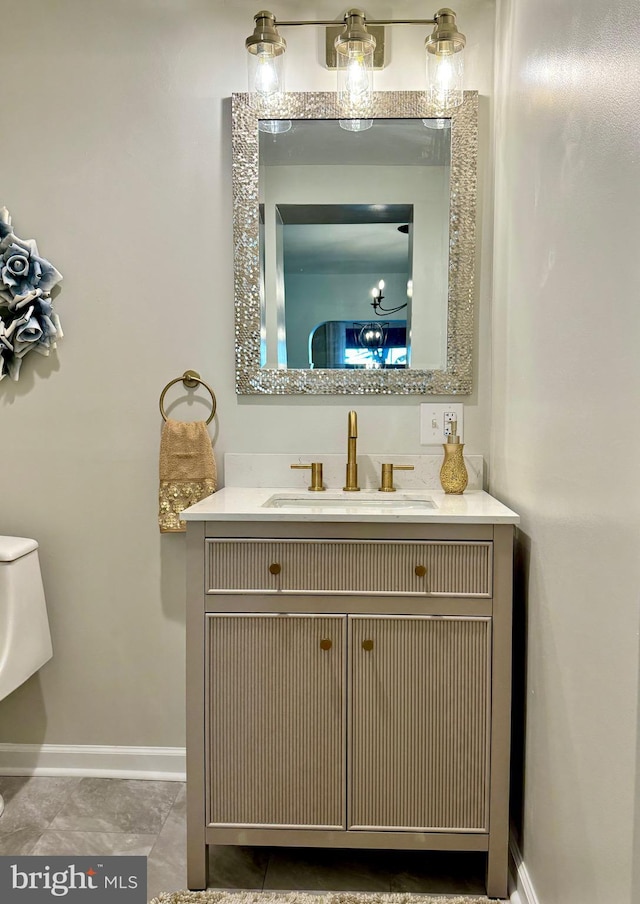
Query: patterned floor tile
<point x="32" y="802"/>
<point x="167" y="864"/>
<point x="86" y="844"/>
<point x="112" y="805"/>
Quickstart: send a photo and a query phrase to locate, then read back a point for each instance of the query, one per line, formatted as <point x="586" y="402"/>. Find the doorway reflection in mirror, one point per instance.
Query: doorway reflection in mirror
<point x="341" y="213"/>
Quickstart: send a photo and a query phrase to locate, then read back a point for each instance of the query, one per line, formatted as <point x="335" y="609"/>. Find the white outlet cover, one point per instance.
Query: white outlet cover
<point x="433" y="422"/>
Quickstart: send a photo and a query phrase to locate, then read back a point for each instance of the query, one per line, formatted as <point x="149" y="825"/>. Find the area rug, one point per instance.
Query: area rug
<point x="299" y="897"/>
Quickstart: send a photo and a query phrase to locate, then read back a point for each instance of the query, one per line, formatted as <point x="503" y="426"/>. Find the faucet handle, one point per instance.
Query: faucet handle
<point x="386" y="485"/>
<point x="316" y="475"/>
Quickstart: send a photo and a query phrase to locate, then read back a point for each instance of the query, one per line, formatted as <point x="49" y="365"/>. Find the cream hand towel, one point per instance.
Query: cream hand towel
<point x="187" y="470"/>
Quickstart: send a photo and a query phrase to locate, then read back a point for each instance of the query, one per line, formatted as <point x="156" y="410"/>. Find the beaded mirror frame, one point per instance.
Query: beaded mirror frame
<point x="456" y="377"/>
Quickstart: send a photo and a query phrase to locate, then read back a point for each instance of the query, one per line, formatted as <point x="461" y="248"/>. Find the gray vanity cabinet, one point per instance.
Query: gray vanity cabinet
<point x="348" y="686"/>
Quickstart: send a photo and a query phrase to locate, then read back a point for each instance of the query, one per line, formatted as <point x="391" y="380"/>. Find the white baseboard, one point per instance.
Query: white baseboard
<point x="522" y="891"/>
<point x="159" y="763"/>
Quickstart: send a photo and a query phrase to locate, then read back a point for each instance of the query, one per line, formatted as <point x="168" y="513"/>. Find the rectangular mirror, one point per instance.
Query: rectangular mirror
<point x="354" y="250"/>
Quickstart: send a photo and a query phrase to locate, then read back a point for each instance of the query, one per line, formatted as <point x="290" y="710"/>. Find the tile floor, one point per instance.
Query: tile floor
<point x="79" y="816"/>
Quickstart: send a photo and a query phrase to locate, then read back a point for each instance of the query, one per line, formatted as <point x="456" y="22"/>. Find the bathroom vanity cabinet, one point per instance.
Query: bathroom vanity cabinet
<point x="349" y="686"/>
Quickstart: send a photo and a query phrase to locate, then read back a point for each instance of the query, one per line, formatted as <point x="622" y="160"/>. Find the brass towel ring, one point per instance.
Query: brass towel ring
<point x="190" y="378"/>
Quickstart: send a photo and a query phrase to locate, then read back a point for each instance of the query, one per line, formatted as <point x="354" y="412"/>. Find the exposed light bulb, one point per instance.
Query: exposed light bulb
<point x="265" y="58"/>
<point x="357" y="79"/>
<point x="381" y="285"/>
<point x="445" y="63"/>
<point x="445" y="73"/>
<point x="266" y="80"/>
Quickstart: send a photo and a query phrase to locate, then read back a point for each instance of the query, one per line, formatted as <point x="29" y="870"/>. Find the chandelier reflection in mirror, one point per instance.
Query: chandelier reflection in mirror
<point x="359" y="345"/>
<point x="355" y="52"/>
<point x="378" y="298"/>
<point x="382" y="345"/>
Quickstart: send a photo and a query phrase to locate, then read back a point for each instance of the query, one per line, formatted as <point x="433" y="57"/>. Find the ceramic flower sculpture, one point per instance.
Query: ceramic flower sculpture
<point x="27" y="319"/>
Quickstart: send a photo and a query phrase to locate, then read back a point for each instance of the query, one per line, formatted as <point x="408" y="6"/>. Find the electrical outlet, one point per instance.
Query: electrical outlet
<point x="435" y="424"/>
<point x="449" y="417"/>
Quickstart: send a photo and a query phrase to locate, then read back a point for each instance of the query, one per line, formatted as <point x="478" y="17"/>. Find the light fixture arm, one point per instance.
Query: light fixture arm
<point x="376" y="304"/>
<point x="447" y="16"/>
<point x="330" y="22"/>
<point x="379" y="310"/>
<point x="401" y="21"/>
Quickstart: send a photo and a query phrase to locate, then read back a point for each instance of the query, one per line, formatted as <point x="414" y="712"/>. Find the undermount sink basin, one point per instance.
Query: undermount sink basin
<point x="369" y="500"/>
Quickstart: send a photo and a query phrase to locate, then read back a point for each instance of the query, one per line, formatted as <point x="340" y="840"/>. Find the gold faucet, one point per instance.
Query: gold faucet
<point x="352" y="463"/>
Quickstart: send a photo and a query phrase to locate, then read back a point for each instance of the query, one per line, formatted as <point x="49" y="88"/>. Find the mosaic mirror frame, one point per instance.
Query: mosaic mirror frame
<point x="456" y="377"/>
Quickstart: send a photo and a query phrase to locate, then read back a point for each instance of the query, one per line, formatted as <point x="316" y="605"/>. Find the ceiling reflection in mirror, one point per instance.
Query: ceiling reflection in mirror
<point x="354" y="252"/>
<point x="354" y="231"/>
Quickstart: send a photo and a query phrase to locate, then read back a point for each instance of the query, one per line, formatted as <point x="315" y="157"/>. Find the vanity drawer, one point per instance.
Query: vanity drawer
<point x="432" y="568"/>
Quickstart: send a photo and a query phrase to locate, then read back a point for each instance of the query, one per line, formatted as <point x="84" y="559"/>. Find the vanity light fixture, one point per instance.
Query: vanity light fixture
<point x="265" y="61"/>
<point x="355" y="47"/>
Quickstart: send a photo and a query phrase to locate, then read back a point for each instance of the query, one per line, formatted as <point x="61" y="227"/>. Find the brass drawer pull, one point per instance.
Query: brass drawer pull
<point x="367" y="645"/>
<point x="275" y="568"/>
<point x="420" y="570"/>
<point x="325" y="644"/>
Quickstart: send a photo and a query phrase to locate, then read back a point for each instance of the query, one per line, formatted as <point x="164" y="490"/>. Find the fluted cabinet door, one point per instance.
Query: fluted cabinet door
<point x="419" y="701"/>
<point x="276" y="720"/>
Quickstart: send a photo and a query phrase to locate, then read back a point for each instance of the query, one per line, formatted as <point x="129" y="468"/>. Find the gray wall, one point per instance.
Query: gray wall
<point x="115" y="150"/>
<point x="565" y="424"/>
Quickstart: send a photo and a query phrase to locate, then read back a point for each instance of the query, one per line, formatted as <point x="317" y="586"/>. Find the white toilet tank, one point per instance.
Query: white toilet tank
<point x="25" y="639"/>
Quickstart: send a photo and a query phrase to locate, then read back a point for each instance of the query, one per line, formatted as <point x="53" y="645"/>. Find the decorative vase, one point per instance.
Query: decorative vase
<point x="453" y="473"/>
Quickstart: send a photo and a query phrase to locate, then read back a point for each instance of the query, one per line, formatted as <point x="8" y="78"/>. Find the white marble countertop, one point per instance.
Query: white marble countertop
<point x="236" y="503"/>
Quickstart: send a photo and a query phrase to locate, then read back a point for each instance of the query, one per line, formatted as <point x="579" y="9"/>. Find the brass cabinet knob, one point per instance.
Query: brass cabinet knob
<point x="275" y="568"/>
<point x="325" y="644"/>
<point x="420" y="570"/>
<point x="367" y="645"/>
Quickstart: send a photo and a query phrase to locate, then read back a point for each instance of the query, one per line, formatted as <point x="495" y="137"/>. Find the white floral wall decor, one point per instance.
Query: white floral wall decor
<point x="28" y="321"/>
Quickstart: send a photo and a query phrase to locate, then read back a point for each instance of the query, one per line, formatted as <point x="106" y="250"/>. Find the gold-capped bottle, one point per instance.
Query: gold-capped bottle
<point x="453" y="473"/>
